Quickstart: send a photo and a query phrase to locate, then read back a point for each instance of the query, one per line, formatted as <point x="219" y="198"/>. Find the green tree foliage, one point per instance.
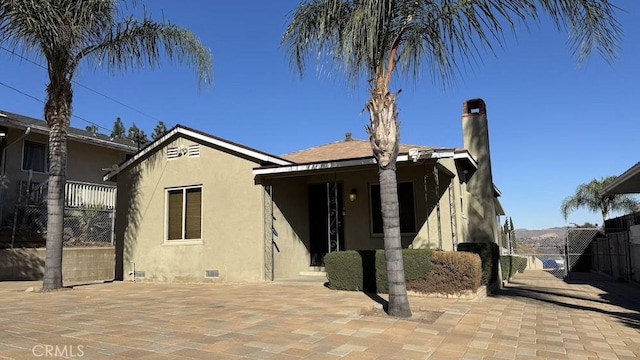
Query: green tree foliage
<point x="118" y="129"/>
<point x="513" y="239"/>
<point x="591" y="196"/>
<point x="504" y="230"/>
<point x="137" y="135"/>
<point x="92" y="128"/>
<point x="159" y="130"/>
<point x="67" y="33"/>
<point x="379" y="40"/>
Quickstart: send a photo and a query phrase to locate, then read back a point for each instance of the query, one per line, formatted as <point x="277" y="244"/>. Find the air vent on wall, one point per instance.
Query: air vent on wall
<point x="211" y="273"/>
<point x="139" y="274"/>
<point x="194" y="150"/>
<point x="173" y="152"/>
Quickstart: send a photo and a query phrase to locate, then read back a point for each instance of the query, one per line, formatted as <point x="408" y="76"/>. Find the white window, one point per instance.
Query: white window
<point x="35" y="157"/>
<point x="184" y="213"/>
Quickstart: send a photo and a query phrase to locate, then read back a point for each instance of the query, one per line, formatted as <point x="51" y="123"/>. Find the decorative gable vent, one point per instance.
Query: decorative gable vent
<point x="173" y="152"/>
<point x="194" y="150"/>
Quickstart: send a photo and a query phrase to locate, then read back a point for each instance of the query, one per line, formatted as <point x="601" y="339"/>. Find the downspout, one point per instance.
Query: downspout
<point x="273" y="233"/>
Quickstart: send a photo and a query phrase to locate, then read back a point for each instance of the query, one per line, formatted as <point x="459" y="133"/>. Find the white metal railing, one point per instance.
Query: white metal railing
<point x="79" y="194"/>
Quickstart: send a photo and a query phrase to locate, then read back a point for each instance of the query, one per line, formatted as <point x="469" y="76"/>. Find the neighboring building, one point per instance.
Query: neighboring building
<point x="627" y="183"/>
<point x="618" y="255"/>
<point x="194" y="207"/>
<point x="24" y="164"/>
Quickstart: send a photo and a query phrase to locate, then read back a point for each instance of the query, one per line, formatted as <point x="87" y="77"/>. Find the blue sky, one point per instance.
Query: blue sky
<point x="554" y="124"/>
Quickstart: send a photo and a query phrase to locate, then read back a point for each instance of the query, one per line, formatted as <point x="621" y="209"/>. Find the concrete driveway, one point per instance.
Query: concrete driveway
<point x="536" y="316"/>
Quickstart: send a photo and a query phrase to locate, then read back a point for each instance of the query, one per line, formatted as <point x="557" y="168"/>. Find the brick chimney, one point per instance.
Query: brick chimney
<point x="480" y="202"/>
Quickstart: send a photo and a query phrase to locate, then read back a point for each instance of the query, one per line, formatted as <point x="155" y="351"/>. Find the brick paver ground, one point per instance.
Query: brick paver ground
<point x="535" y="316"/>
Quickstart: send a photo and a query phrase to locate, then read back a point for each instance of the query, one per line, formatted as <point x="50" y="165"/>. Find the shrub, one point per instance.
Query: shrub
<point x="425" y="271"/>
<point x="518" y="264"/>
<point x="505" y="266"/>
<point x="366" y="270"/>
<point x="511" y="265"/>
<point x="451" y="273"/>
<point x="489" y="254"/>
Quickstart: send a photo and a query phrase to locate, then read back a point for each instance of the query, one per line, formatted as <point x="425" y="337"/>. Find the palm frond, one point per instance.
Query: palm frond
<point x="135" y="44"/>
<point x="591" y="197"/>
<point x="316" y="27"/>
<point x="591" y="25"/>
<point x="371" y="37"/>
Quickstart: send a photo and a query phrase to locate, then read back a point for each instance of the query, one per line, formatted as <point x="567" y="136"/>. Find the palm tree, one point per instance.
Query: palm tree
<point x="379" y="40"/>
<point x="591" y="197"/>
<point x="65" y="33"/>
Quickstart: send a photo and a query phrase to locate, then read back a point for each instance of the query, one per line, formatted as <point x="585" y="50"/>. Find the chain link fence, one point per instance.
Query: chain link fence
<point x="83" y="226"/>
<point x="559" y="255"/>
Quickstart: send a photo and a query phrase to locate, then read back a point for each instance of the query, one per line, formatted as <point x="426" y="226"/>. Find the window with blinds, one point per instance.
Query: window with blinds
<point x="184" y="213"/>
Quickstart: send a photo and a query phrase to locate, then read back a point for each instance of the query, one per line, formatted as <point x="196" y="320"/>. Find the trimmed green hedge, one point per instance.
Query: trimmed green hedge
<point x="489" y="254"/>
<point x="366" y="270"/>
<point x="505" y="266"/>
<point x="425" y="271"/>
<point x="511" y="265"/>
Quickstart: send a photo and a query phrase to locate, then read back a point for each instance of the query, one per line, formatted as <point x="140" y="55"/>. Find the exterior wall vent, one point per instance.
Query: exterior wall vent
<point x="194" y="150"/>
<point x="138" y="275"/>
<point x="173" y="152"/>
<point x="211" y="274"/>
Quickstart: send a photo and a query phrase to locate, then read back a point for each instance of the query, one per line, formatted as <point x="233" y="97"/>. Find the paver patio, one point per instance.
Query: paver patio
<point x="535" y="316"/>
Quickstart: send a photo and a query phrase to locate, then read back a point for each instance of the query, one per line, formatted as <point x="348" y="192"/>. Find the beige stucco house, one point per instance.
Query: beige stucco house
<point x="24" y="164"/>
<point x="195" y="207"/>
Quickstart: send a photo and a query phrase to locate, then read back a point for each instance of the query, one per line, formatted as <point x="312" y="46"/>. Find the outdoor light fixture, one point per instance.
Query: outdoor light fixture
<point x="353" y="195"/>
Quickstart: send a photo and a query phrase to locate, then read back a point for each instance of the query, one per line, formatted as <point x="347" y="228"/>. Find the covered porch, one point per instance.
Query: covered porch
<point x="315" y="208"/>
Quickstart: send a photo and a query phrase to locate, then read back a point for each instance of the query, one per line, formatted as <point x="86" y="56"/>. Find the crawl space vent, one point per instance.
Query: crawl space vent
<point x="138" y="274"/>
<point x="211" y="273"/>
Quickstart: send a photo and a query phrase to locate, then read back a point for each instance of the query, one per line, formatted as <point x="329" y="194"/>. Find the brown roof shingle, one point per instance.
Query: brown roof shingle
<point x="341" y="150"/>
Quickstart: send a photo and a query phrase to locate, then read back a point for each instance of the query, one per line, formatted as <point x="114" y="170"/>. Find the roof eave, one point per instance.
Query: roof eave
<point x="337" y="164"/>
<point x="622" y="184"/>
<point x="200" y="136"/>
<point x="17" y="124"/>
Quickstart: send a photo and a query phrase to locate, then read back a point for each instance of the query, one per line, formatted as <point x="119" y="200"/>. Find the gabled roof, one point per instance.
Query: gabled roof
<point x="180" y="130"/>
<point x="342" y="150"/>
<point x="627" y="183"/>
<point x="22" y="122"/>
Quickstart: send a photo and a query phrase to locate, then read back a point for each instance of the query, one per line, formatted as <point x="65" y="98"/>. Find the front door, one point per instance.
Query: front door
<point x="325" y="220"/>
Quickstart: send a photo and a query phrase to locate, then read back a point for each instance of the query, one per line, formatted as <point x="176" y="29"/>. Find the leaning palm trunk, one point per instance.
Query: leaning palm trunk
<point x="384" y="136"/>
<point x="57" y="114"/>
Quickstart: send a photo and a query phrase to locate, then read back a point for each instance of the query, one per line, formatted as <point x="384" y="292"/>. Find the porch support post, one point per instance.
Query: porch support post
<point x="437" y="181"/>
<point x="452" y="213"/>
<point x="426" y="203"/>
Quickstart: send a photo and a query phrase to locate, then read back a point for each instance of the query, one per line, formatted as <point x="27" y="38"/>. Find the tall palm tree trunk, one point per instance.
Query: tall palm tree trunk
<point x="58" y="115"/>
<point x="384" y="136"/>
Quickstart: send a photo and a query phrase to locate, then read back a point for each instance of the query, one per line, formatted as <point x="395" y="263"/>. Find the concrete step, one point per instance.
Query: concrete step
<point x="314" y="271"/>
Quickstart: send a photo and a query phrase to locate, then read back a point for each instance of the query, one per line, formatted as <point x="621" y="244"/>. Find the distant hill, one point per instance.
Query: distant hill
<point x="536" y="235"/>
